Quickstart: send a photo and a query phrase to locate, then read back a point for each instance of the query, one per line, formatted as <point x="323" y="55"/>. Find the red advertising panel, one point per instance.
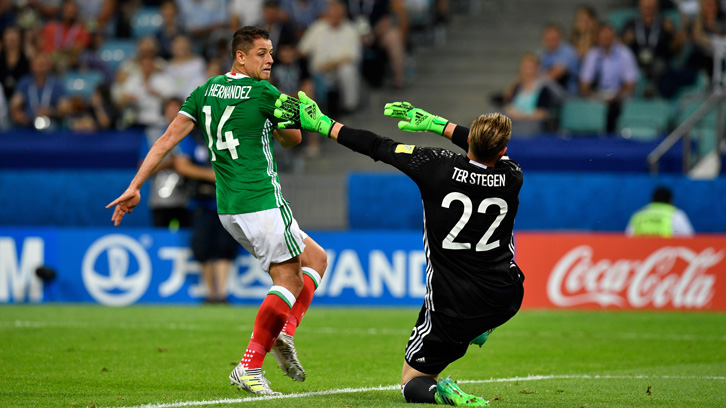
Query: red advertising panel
<point x="618" y="272"/>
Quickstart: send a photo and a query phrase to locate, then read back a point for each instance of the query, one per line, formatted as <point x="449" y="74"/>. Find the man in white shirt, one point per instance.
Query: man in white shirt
<point x="333" y="45"/>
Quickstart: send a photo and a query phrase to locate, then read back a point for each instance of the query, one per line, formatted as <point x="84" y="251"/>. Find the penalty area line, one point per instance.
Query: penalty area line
<point x="182" y="404"/>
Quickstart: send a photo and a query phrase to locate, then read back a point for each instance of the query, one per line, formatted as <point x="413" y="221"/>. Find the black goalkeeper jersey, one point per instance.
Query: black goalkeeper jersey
<point x="469" y="212"/>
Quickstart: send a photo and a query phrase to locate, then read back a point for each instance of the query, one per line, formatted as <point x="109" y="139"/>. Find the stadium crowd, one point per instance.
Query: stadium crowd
<point x="109" y="64"/>
<point x="659" y="50"/>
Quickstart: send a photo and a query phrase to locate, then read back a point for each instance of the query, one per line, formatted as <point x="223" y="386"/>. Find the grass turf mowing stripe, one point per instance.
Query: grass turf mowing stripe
<point x="20" y="324"/>
<point x="396" y="387"/>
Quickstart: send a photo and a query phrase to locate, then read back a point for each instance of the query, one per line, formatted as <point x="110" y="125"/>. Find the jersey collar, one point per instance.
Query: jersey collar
<point x="235" y="75"/>
<point x="483" y="166"/>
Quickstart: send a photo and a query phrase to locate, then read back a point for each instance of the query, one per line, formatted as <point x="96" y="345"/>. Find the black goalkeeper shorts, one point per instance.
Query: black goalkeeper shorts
<point x="438" y="340"/>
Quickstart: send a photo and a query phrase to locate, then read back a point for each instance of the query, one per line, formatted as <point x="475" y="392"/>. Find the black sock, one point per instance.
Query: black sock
<point x="420" y="390"/>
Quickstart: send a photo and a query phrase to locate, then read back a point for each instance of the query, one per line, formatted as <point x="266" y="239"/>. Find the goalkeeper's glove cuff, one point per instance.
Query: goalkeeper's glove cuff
<point x="325" y="126"/>
<point x="437" y="125"/>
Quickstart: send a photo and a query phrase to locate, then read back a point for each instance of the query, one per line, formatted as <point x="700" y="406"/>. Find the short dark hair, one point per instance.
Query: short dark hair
<point x="245" y="36"/>
<point x="662" y="195"/>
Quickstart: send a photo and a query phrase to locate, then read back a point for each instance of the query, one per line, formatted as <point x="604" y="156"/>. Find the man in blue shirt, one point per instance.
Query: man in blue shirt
<point x="558" y="59"/>
<point x="39" y="96"/>
<point x="609" y="73"/>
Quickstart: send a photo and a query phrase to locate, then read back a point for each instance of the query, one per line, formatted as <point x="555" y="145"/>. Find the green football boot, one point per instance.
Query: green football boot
<point x="448" y="393"/>
<point x="482" y="338"/>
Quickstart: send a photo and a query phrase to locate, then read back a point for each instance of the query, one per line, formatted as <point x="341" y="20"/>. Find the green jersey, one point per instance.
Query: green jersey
<point x="235" y="113"/>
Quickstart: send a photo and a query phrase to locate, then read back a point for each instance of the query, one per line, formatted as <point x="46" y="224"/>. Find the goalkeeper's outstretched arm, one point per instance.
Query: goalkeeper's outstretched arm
<point x="418" y="120"/>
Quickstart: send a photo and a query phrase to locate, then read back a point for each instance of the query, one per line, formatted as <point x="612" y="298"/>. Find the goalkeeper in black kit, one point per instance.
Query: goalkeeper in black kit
<point x="470" y="201"/>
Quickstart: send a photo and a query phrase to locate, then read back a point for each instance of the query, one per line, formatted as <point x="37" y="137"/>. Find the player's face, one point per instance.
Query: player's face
<point x="258" y="60"/>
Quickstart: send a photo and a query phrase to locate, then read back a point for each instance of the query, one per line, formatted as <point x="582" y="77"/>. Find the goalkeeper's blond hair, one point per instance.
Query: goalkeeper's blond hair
<point x="488" y="135"/>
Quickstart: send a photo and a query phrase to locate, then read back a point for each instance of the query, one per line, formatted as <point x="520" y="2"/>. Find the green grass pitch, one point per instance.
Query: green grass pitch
<point x="83" y="355"/>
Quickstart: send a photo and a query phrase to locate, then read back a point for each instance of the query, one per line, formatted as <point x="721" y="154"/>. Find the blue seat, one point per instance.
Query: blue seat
<point x="583" y="116"/>
<point x="618" y="18"/>
<point x="82" y="83"/>
<point x="146" y="21"/>
<point x="644" y="119"/>
<point x="114" y="52"/>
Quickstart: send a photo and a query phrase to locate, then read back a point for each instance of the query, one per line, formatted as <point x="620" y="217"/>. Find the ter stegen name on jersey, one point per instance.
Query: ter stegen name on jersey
<point x="235" y="113"/>
<point x="478" y="179"/>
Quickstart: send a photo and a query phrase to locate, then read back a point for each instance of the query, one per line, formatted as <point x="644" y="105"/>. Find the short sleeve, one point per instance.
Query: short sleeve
<point x="267" y="102"/>
<point x="190" y="107"/>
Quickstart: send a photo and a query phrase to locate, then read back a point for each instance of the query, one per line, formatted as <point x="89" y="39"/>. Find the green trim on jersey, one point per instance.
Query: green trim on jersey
<point x="235" y="113"/>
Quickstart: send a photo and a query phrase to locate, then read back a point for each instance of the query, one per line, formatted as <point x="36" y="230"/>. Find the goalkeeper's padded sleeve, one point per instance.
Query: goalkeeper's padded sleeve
<point x="361" y="141"/>
<point x="461" y="137"/>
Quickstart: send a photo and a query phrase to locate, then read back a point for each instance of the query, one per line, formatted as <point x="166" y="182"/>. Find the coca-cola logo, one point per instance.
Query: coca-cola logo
<point x="675" y="275"/>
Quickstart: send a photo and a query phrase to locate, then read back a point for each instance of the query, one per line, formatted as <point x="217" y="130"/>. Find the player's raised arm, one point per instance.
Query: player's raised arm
<point x="126" y="202"/>
<point x="418" y="120"/>
<point x="306" y="114"/>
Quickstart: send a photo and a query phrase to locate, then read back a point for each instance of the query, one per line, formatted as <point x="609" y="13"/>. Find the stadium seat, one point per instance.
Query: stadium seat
<point x="644" y="119"/>
<point x="82" y="83"/>
<point x="146" y="21"/>
<point x="114" y="52"/>
<point x="619" y="17"/>
<point x="583" y="116"/>
<point x="687" y="108"/>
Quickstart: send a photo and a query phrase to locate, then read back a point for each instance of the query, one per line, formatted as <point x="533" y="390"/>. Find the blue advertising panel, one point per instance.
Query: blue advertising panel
<point x="119" y="267"/>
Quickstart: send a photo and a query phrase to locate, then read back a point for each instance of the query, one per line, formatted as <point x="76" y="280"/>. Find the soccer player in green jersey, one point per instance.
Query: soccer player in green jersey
<point x="236" y="114"/>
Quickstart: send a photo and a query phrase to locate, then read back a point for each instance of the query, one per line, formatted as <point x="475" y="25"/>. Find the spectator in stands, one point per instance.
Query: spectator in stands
<point x="96" y="14"/>
<point x="170" y="27"/>
<point x="145" y="47"/>
<point x="245" y="13"/>
<point x="38" y="96"/>
<point x="609" y="73"/>
<point x="380" y="28"/>
<point x="143" y="94"/>
<point x="273" y="20"/>
<point x="99" y="114"/>
<point x="211" y="244"/>
<point x="530" y="98"/>
<point x="558" y="59"/>
<point x="711" y="21"/>
<point x="90" y="58"/>
<point x="14" y="63"/>
<point x="660" y="218"/>
<point x="333" y="46"/>
<point x="122" y="18"/>
<point x="302" y="13"/>
<point x="168" y="196"/>
<point x="8" y="14"/>
<point x="64" y="39"/>
<point x="205" y="20"/>
<point x="651" y="38"/>
<point x="186" y="69"/>
<point x="214" y="68"/>
<point x="47" y="9"/>
<point x="584" y="32"/>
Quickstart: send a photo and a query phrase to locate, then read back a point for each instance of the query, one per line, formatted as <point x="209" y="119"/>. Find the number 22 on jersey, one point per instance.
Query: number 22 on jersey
<point x="229" y="142"/>
<point x="482" y="245"/>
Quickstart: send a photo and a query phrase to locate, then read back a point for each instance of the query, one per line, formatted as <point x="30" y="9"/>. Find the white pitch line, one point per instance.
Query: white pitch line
<point x="396" y="387"/>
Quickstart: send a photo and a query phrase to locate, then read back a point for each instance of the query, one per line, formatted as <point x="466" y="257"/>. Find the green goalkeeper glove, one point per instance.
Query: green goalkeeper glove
<point x="416" y="120"/>
<point x="303" y="113"/>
